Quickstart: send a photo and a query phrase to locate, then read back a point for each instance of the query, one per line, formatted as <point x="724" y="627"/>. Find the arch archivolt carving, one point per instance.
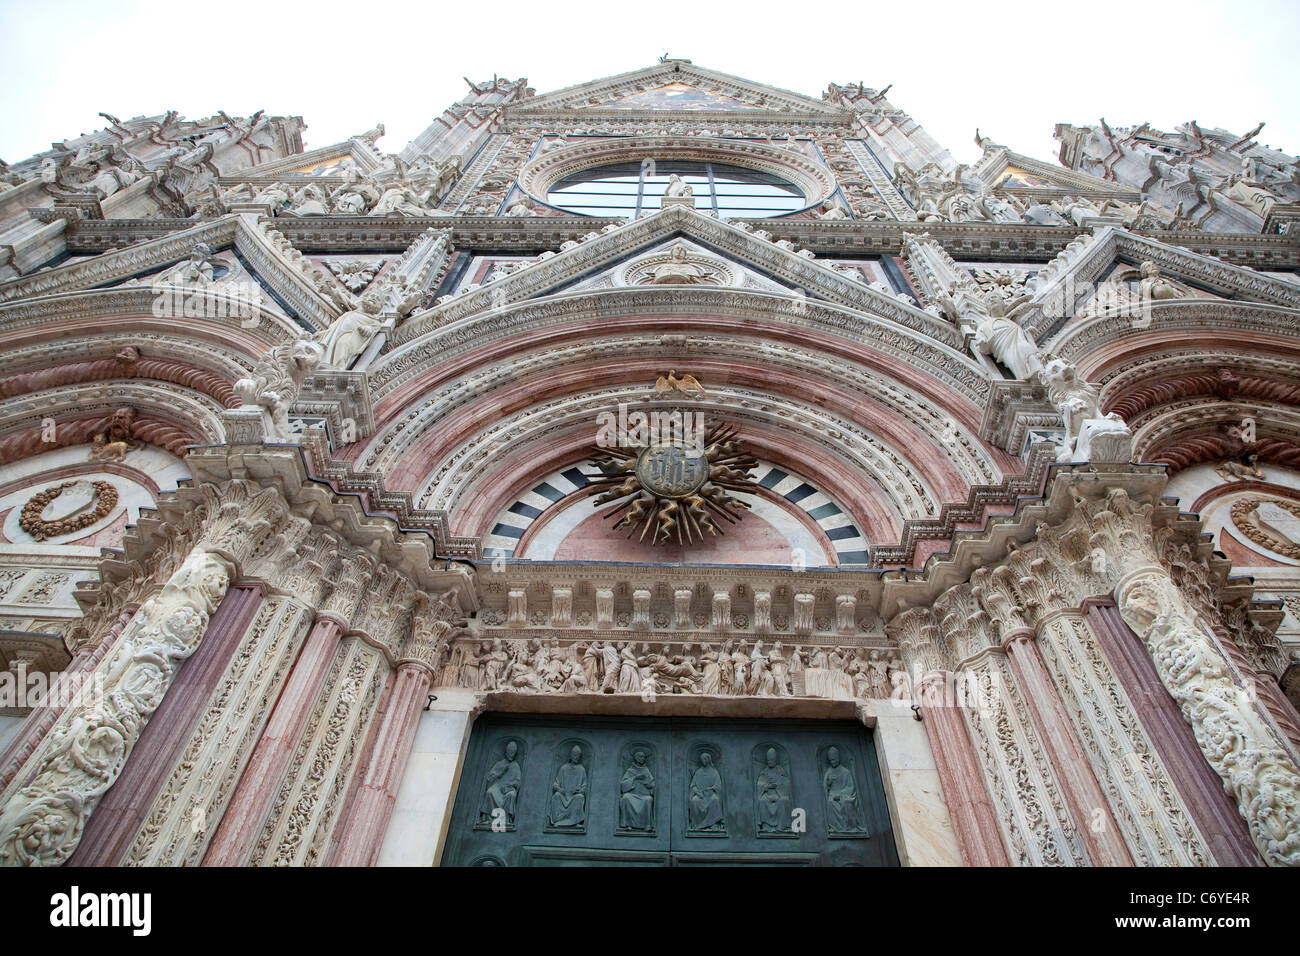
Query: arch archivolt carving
<point x="181" y="416"/>
<point x="247" y="326"/>
<point x="472" y="469"/>
<point x="781" y="368"/>
<point x="1182" y="433"/>
<point x="218" y="358"/>
<point x="1146" y="381"/>
<point x="870" y="339"/>
<point x="1093" y="343"/>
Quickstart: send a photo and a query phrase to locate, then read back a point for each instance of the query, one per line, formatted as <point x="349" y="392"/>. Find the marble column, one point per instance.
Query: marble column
<point x="1088" y="805"/>
<point x="1202" y="791"/>
<point x="363" y="833"/>
<point x="38" y="723"/>
<point x="242" y="822"/>
<point x="124" y="807"/>
<point x="974" y="821"/>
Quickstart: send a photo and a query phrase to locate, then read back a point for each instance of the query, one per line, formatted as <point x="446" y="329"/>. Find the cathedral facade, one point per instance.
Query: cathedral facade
<point x="667" y="470"/>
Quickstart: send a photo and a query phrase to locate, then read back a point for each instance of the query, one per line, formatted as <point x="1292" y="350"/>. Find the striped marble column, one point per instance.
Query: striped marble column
<point x="123" y="808"/>
<point x="363" y="832"/>
<point x="973" y="819"/>
<point x="1200" y="787"/>
<point x="243" y="818"/>
<point x="1088" y="805"/>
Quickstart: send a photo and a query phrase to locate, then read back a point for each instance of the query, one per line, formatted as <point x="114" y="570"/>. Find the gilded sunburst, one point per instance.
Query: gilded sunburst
<point x="673" y="491"/>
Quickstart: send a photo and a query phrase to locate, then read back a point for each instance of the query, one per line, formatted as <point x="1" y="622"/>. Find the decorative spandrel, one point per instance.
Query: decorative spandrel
<point x="773" y="792"/>
<point x="636" y="792"/>
<point x="844" y="816"/>
<point x="567" y="808"/>
<point x="501" y="790"/>
<point x="705" y="814"/>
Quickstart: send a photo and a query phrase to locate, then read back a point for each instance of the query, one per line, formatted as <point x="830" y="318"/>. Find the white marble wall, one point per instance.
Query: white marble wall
<point x="417" y="830"/>
<point x="917" y="809"/>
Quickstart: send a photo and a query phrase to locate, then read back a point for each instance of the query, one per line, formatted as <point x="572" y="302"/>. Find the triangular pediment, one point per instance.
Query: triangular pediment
<point x="726" y="254"/>
<point x="1013" y="173"/>
<point x="676" y="85"/>
<point x="677" y="96"/>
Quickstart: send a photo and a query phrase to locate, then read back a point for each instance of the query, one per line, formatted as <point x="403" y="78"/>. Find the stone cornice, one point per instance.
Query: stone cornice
<point x="847" y="238"/>
<point x="123" y="264"/>
<point x="677" y="71"/>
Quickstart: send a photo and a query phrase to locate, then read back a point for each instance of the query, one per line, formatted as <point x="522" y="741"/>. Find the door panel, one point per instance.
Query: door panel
<point x="572" y="791"/>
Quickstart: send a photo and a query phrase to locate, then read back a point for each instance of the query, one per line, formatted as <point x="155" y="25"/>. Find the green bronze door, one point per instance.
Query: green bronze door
<point x="566" y="791"/>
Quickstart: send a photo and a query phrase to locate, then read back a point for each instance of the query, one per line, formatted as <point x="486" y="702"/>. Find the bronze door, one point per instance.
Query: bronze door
<point x="588" y="791"/>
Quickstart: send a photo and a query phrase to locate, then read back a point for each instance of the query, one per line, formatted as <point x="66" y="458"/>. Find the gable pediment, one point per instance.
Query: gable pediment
<point x="731" y="248"/>
<point x="675" y="85"/>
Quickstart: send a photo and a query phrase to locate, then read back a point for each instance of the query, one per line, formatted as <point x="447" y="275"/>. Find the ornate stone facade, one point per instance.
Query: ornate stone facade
<point x="311" y="458"/>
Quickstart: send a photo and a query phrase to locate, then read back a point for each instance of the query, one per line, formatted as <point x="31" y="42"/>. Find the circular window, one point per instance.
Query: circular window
<point x="633" y="188"/>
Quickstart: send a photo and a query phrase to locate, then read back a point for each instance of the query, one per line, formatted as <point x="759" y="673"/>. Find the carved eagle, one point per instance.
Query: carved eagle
<point x="686" y="385"/>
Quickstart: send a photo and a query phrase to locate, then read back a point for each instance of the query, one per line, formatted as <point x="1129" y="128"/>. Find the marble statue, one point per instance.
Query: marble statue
<point x="1154" y="286"/>
<point x="349" y="334"/>
<point x="1089" y="434"/>
<point x="677" y="187"/>
<point x="1002" y="337"/>
<point x="677" y="270"/>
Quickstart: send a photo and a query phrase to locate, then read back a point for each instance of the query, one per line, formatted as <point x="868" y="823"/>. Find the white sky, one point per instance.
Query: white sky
<point x="1013" y="69"/>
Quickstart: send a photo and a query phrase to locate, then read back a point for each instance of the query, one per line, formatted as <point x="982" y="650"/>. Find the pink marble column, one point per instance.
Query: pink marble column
<point x="1202" y="791"/>
<point x="974" y="822"/>
<point x="1082" y="793"/>
<point x="367" y="819"/>
<point x="40" y="720"/>
<point x="235" y="837"/>
<point x="123" y="809"/>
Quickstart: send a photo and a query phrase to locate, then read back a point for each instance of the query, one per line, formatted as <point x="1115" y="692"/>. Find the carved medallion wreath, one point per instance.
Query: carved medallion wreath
<point x="100" y="502"/>
<point x="1246" y="516"/>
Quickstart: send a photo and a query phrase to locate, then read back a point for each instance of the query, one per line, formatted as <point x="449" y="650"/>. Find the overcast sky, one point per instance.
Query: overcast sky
<point x="1013" y="69"/>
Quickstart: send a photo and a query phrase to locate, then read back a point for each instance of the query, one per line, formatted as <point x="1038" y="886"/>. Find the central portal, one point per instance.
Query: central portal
<point x="566" y="791"/>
